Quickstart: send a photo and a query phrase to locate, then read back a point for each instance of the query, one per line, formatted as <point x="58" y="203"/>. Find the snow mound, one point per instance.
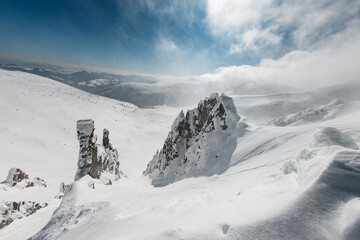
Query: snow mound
<point x="69" y="214"/>
<point x="18" y="179"/>
<point x="308" y="217"/>
<point x="331" y="136"/>
<point x="313" y="114"/>
<point x="312" y="159"/>
<point x="200" y="143"/>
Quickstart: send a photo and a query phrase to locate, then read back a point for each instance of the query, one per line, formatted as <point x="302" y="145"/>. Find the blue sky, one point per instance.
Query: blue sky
<point x="179" y="37"/>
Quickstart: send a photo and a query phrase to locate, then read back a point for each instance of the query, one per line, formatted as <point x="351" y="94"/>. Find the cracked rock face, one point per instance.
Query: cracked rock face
<point x="88" y="149"/>
<point x="98" y="161"/>
<point x="199" y="143"/>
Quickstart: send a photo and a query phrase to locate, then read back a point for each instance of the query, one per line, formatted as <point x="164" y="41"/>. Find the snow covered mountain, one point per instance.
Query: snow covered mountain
<point x="292" y="182"/>
<point x="143" y="91"/>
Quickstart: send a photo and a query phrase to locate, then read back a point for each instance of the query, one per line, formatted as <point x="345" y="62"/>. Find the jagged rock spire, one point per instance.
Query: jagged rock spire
<point x="199" y="143"/>
<point x="88" y="149"/>
<point x="98" y="161"/>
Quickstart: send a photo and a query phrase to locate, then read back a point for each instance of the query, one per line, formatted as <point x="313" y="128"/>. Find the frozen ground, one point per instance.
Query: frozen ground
<point x="296" y="182"/>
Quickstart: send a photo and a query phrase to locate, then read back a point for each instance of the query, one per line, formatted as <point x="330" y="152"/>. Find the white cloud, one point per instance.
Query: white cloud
<point x="254" y="25"/>
<point x="335" y="62"/>
<point x="253" y="38"/>
<point x="227" y="16"/>
<point x="167" y="46"/>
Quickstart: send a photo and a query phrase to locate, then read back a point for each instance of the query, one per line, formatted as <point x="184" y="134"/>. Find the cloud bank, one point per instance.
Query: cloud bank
<point x="301" y="44"/>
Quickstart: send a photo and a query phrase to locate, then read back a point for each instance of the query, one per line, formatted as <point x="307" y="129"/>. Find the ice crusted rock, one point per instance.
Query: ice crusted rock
<point x="9" y="211"/>
<point x="98" y="161"/>
<point x="19" y="179"/>
<point x="199" y="143"/>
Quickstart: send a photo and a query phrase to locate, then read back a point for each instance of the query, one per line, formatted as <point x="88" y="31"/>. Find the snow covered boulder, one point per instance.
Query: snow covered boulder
<point x="199" y="143"/>
<point x="15" y="176"/>
<point x="9" y="211"/>
<point x="98" y="161"/>
<point x="19" y="179"/>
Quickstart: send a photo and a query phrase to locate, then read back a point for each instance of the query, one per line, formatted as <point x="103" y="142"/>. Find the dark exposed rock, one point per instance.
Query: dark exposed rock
<point x="199" y="143"/>
<point x="106" y="138"/>
<point x="98" y="161"/>
<point x="9" y="211"/>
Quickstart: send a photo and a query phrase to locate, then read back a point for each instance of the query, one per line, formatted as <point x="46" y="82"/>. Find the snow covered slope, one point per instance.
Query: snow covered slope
<point x="298" y="182"/>
<point x="38" y="135"/>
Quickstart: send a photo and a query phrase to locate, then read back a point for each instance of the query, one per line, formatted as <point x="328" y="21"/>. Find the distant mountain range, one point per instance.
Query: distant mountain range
<point x="74" y="78"/>
<point x="143" y="91"/>
<point x="140" y="92"/>
<point x="149" y="91"/>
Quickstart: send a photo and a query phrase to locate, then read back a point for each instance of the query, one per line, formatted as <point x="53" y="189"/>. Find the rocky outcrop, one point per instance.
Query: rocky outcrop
<point x="313" y="114"/>
<point x="9" y="211"/>
<point x="98" y="161"/>
<point x="62" y="190"/>
<point x="19" y="179"/>
<point x="88" y="149"/>
<point x="200" y="143"/>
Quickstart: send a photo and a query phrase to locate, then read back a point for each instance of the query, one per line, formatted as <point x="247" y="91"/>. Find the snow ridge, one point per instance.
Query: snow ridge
<point x="319" y="113"/>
